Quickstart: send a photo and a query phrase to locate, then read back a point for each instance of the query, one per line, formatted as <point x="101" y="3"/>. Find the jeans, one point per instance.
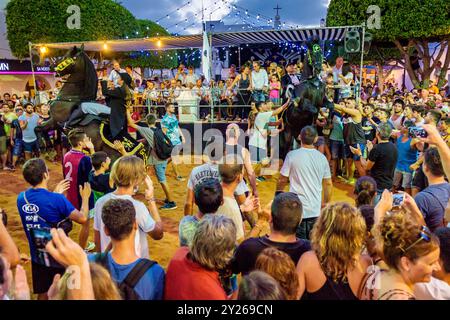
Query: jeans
<point x="305" y="227"/>
<point x="259" y="96"/>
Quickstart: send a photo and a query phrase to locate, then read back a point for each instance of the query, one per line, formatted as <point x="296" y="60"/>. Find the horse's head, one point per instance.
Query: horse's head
<point x="313" y="60"/>
<point x="68" y="63"/>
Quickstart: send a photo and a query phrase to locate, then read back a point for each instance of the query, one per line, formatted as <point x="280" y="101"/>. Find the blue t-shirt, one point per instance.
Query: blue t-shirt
<point x="149" y="287"/>
<point x="28" y="133"/>
<point x="406" y="155"/>
<point x="432" y="202"/>
<point x="42" y="205"/>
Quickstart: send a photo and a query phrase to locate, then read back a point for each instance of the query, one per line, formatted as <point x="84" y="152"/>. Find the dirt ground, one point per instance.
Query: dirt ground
<point x="11" y="184"/>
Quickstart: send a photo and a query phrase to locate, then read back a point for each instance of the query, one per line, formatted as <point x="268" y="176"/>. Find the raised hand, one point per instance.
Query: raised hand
<point x="62" y="186"/>
<point x="85" y="191"/>
<point x="22" y="290"/>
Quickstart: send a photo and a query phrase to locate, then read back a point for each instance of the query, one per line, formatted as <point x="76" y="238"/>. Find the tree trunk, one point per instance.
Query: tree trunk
<point x="380" y="77"/>
<point x="405" y="54"/>
<point x="445" y="66"/>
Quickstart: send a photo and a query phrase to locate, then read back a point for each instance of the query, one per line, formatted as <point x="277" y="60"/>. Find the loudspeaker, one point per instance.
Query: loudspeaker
<point x="367" y="41"/>
<point x="352" y="41"/>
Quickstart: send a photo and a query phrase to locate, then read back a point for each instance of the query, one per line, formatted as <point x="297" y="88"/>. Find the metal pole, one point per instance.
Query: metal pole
<point x="30" y="45"/>
<point x="239" y="55"/>
<point x="358" y="98"/>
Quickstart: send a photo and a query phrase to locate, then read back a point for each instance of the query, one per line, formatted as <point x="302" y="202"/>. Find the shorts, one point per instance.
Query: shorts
<point x="160" y="171"/>
<point x="18" y="147"/>
<point x="257" y="154"/>
<point x="320" y="141"/>
<point x="3" y="145"/>
<point x="337" y="149"/>
<point x="404" y="177"/>
<point x="43" y="277"/>
<point x="31" y="146"/>
<point x="350" y="155"/>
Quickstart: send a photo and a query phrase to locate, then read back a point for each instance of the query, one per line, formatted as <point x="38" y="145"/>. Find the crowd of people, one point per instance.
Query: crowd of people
<point x="393" y="243"/>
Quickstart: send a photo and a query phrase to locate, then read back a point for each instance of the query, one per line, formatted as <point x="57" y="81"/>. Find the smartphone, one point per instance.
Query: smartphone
<point x="40" y="238"/>
<point x="417" y="132"/>
<point x="398" y="199"/>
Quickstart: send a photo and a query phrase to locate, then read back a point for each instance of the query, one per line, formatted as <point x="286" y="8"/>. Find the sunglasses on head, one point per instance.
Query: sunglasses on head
<point x="425" y="235"/>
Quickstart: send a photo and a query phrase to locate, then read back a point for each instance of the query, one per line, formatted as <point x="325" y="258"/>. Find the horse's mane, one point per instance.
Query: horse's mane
<point x="91" y="79"/>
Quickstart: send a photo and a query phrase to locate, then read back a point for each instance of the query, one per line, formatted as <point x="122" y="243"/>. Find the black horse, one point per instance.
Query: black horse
<point x="307" y="99"/>
<point x="80" y="85"/>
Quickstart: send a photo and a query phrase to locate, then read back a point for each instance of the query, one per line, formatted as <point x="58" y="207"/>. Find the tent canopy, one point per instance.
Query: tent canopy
<point x="196" y="41"/>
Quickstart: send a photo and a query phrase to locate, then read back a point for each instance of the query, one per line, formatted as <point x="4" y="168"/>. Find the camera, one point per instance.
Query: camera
<point x="398" y="199"/>
<point x="417" y="132"/>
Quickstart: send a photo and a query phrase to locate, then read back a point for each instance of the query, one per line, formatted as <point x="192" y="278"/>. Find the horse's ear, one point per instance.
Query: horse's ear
<point x="82" y="48"/>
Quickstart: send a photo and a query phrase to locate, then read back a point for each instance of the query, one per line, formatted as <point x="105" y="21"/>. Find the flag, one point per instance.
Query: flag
<point x="206" y="57"/>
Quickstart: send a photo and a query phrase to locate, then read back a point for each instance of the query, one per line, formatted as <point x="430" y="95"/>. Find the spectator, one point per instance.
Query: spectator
<point x="337" y="145"/>
<point x="99" y="177"/>
<point x="335" y="268"/>
<point x="365" y="191"/>
<point x="128" y="173"/>
<point x="259" y="285"/>
<point x="259" y="83"/>
<point x="191" y="77"/>
<point x="281" y="267"/>
<point x="119" y="218"/>
<point x="407" y="156"/>
<point x="192" y="273"/>
<point x="39" y="208"/>
<point x="171" y="128"/>
<point x="286" y="215"/>
<point x="432" y="200"/>
<point x="213" y="154"/>
<point x="17" y="285"/>
<point x="231" y="175"/>
<point x="16" y="138"/>
<point x="258" y="139"/>
<point x="28" y="122"/>
<point x="307" y="172"/>
<point x="114" y="76"/>
<point x="3" y="140"/>
<point x="159" y="165"/>
<point x="410" y="251"/>
<point x="382" y="160"/>
<point x="208" y="196"/>
<point x="398" y="116"/>
<point x="354" y="136"/>
<point x="439" y="286"/>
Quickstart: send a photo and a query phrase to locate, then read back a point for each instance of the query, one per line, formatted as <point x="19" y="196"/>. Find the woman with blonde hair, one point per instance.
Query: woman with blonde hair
<point x="280" y="266"/>
<point x="335" y="267"/>
<point x="104" y="287"/>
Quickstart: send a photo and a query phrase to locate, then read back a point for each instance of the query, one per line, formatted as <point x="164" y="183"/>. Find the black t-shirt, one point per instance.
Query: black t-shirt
<point x="248" y="251"/>
<point x="100" y="183"/>
<point x="370" y="134"/>
<point x="384" y="155"/>
<point x="18" y="130"/>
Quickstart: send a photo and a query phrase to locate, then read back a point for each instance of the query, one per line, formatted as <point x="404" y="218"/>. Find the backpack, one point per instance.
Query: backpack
<point x="126" y="287"/>
<point x="162" y="144"/>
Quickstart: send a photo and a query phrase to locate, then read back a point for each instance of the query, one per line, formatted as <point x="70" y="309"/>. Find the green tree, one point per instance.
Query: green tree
<point x="46" y="21"/>
<point x="408" y="26"/>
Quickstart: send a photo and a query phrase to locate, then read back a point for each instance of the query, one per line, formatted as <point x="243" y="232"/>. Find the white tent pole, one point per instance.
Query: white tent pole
<point x="358" y="98"/>
<point x="30" y="45"/>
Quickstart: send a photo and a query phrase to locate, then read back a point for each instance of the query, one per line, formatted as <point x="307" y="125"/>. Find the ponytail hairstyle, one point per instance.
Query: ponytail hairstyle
<point x="365" y="191"/>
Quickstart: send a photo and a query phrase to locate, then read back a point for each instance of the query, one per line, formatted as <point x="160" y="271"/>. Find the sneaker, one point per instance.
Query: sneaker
<point x="169" y="206"/>
<point x="260" y="179"/>
<point x="180" y="178"/>
<point x="351" y="181"/>
<point x="90" y="247"/>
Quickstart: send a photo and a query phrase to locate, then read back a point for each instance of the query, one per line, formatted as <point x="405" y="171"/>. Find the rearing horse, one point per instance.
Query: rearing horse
<point x="307" y="98"/>
<point x="81" y="86"/>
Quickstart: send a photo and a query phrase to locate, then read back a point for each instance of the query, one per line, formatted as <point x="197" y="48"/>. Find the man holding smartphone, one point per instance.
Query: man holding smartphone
<point x="41" y="209"/>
